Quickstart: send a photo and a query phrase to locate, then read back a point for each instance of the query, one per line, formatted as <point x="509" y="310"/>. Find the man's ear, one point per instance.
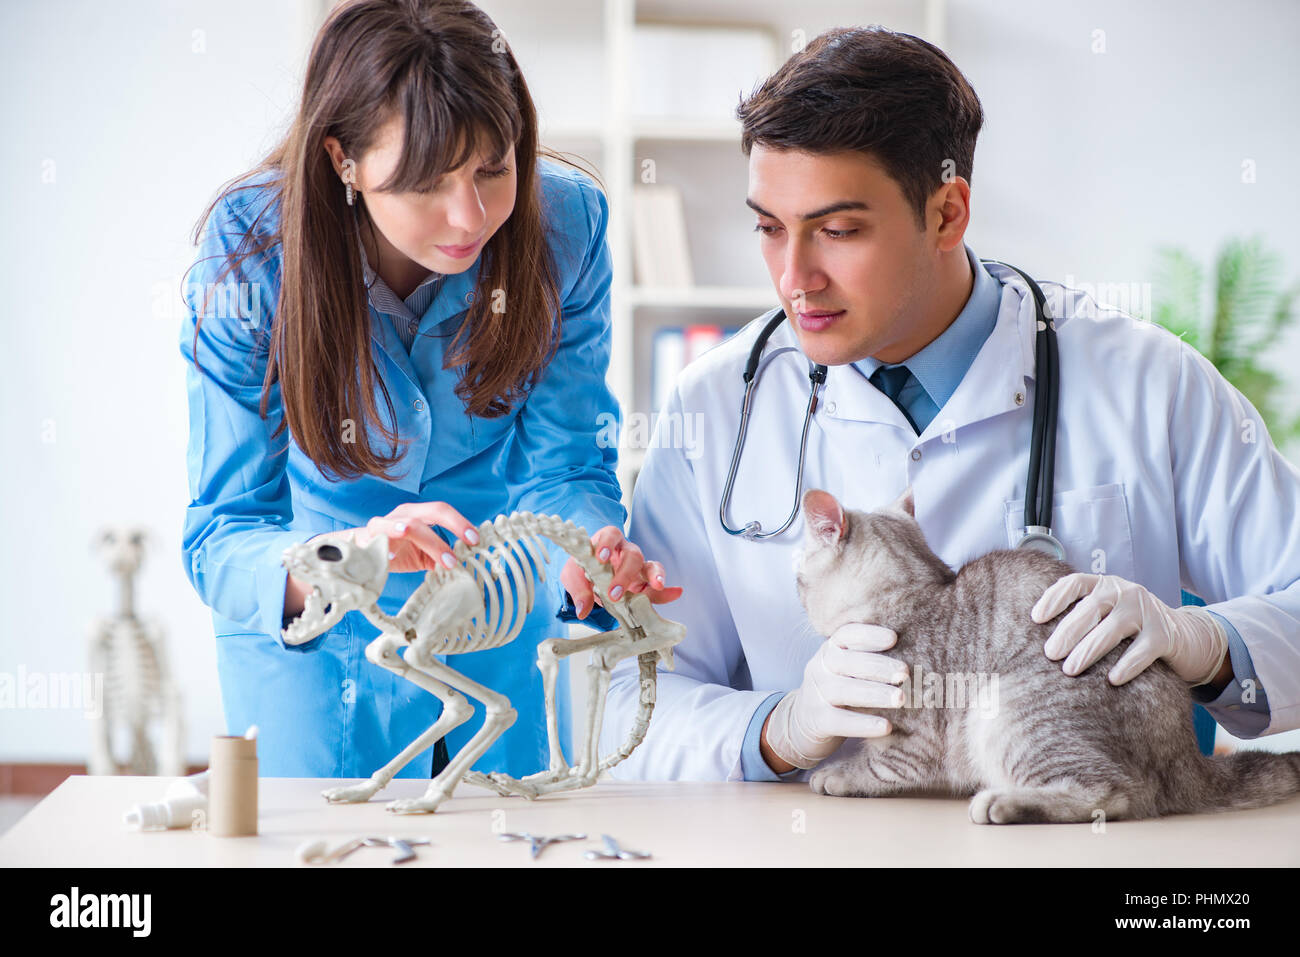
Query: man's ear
<point x="824" y="516"/>
<point x="906" y="502"/>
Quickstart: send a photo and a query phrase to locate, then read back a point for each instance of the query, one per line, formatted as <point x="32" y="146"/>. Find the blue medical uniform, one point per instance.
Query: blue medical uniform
<point x="323" y="710"/>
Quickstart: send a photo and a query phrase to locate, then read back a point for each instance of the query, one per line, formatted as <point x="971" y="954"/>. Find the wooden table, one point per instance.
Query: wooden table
<point x="681" y="823"/>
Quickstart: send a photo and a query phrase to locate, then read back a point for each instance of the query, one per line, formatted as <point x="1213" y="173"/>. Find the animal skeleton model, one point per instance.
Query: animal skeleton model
<point x="448" y="614"/>
<point x="138" y="688"/>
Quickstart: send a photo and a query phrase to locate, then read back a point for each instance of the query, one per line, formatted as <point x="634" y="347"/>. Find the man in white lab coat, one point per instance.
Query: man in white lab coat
<point x="860" y="150"/>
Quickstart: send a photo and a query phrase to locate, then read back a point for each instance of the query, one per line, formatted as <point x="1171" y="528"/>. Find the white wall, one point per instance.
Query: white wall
<point x="1090" y="161"/>
<point x="141" y="130"/>
<point x="1087" y="163"/>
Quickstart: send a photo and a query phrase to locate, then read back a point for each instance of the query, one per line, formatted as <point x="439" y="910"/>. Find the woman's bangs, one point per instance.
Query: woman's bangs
<point x="442" y="136"/>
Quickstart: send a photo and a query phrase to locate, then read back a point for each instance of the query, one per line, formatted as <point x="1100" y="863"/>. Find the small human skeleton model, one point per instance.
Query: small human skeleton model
<point x="449" y="615"/>
<point x="138" y="688"/>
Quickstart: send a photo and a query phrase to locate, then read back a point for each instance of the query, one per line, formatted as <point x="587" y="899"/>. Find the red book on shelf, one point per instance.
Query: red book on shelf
<point x="699" y="339"/>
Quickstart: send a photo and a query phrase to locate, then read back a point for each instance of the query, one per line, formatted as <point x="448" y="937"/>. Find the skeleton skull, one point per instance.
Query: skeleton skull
<point x="355" y="575"/>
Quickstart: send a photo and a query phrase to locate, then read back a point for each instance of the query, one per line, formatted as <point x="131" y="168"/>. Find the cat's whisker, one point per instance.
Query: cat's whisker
<point x="808" y="630"/>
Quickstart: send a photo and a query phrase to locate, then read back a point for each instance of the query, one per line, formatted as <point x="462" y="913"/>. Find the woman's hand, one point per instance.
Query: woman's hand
<point x="412" y="544"/>
<point x="632" y="573"/>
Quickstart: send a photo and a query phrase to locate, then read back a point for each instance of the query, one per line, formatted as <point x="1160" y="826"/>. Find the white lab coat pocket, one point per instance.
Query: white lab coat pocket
<point x="1092" y="524"/>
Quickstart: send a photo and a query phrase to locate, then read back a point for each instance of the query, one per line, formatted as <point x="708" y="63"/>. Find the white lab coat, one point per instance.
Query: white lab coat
<point x="1165" y="475"/>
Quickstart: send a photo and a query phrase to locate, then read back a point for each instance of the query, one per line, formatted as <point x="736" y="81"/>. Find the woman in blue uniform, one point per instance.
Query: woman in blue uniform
<point x="398" y="325"/>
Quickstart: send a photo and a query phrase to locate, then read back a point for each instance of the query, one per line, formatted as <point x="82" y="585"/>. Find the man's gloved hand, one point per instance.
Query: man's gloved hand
<point x="1112" y="609"/>
<point x="810" y="722"/>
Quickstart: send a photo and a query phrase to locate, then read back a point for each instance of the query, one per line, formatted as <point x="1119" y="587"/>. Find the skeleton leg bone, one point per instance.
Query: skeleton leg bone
<point x="548" y="663"/>
<point x="500" y="716"/>
<point x="383" y="651"/>
<point x="549" y="653"/>
<point x="597" y="688"/>
<point x="172" y="760"/>
<point x="588" y="769"/>
<point x="101" y="759"/>
<point x="607" y="650"/>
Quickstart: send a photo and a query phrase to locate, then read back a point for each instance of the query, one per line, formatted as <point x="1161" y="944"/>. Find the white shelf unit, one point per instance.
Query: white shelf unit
<point x="578" y="57"/>
<point x="706" y="152"/>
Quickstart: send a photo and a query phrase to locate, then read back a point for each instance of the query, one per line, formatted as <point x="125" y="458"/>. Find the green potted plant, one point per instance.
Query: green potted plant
<point x="1248" y="313"/>
<point x="1247" y="316"/>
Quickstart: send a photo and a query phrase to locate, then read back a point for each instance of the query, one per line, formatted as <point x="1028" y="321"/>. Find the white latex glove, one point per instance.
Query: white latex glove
<point x="812" y="721"/>
<point x="1189" y="638"/>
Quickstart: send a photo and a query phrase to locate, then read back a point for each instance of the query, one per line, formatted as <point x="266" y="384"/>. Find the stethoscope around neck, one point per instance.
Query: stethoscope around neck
<point x="1042" y="452"/>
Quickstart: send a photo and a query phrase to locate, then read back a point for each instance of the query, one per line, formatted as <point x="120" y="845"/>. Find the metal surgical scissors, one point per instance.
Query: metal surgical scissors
<point x="538" y="842"/>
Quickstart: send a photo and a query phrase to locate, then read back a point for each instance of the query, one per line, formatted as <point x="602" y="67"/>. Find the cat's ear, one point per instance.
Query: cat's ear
<point x="824" y="516"/>
<point x="906" y="503"/>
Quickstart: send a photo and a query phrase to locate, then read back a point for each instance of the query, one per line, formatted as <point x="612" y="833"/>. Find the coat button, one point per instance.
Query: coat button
<point x="1020" y="398"/>
<point x="916" y="455"/>
<point x="830" y="407"/>
<point x="419" y="405"/>
<point x="413" y="326"/>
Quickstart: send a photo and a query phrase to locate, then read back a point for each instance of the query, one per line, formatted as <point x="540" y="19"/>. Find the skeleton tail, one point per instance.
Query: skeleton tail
<point x="645" y="708"/>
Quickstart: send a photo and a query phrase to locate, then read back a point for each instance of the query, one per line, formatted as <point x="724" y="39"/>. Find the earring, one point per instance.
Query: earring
<point x="349" y="174"/>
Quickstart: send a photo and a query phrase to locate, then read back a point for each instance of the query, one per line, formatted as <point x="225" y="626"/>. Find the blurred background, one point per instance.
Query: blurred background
<point x="1143" y="152"/>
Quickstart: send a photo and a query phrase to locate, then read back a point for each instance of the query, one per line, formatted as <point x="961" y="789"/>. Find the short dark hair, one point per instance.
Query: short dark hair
<point x="891" y="95"/>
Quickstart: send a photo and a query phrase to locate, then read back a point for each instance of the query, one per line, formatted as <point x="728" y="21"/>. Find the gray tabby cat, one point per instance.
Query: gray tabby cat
<point x="1044" y="746"/>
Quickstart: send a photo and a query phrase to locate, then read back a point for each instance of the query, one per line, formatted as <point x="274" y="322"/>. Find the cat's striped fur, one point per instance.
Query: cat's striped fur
<point x="1055" y="748"/>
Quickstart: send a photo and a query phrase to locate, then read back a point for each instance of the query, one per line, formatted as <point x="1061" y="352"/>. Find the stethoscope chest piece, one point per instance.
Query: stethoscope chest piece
<point x="1041" y="539"/>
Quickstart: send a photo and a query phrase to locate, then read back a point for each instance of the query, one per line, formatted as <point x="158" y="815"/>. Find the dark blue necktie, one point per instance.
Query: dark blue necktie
<point x="890" y="380"/>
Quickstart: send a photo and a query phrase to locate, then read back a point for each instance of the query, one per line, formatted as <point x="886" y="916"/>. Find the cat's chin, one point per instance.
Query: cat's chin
<point x="861" y="614"/>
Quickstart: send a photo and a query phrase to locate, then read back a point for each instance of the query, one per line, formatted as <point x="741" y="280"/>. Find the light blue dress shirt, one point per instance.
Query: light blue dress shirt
<point x="936" y="371"/>
<point x="323" y="710"/>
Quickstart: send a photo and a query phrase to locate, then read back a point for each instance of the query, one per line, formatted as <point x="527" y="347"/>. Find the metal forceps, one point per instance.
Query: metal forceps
<point x="613" y="852"/>
<point x="315" y="853"/>
<point x="403" y="846"/>
<point x="538" y="842"/>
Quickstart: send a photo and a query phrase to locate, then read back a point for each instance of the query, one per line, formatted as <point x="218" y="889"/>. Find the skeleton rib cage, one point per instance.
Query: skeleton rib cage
<point x="502" y="549"/>
<point x="479" y="604"/>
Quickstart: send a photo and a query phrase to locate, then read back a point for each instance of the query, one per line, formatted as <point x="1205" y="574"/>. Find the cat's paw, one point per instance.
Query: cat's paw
<point x="834" y="781"/>
<point x="1006" y="807"/>
<point x="980" y="805"/>
<point x="1043" y="806"/>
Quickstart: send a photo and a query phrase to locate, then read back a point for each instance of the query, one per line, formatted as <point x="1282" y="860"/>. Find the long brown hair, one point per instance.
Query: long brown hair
<point x="444" y="68"/>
